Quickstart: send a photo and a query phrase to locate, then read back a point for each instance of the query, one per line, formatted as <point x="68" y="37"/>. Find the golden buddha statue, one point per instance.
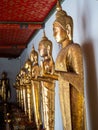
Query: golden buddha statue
<point x="36" y="88"/>
<point x="48" y="86"/>
<point x="5" y="87"/>
<point x="19" y="84"/>
<point x="16" y="85"/>
<point x="23" y="90"/>
<point x="69" y="66"/>
<point x="28" y="68"/>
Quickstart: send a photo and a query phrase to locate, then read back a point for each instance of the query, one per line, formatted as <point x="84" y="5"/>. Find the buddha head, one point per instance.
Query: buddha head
<point x="45" y="46"/>
<point x="4" y="75"/>
<point x="22" y="72"/>
<point x="63" y="25"/>
<point x="33" y="55"/>
<point x="27" y="65"/>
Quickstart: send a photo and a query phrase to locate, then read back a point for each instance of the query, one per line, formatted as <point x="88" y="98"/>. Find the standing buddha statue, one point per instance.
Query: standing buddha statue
<point x="69" y="66"/>
<point x="36" y="88"/>
<point x="28" y="69"/>
<point x="47" y="83"/>
<point x="5" y="87"/>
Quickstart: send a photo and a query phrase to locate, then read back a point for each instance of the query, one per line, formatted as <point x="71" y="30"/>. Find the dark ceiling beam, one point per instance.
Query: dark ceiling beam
<point x="15" y="22"/>
<point x="20" y="26"/>
<point x="12" y="46"/>
<point x="9" y="56"/>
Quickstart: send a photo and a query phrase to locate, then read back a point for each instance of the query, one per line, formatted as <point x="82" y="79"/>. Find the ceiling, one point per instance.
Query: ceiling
<point x="20" y="20"/>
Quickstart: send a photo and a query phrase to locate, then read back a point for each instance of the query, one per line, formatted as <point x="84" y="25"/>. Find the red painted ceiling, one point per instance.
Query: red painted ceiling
<point x="19" y="21"/>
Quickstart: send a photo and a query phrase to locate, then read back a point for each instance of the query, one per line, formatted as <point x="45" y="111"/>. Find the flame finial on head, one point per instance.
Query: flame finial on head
<point x="44" y="36"/>
<point x="58" y="6"/>
<point x="33" y="48"/>
<point x="45" y="41"/>
<point x="33" y="52"/>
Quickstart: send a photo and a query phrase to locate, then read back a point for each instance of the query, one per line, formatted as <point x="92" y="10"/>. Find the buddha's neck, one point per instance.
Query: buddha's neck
<point x="66" y="43"/>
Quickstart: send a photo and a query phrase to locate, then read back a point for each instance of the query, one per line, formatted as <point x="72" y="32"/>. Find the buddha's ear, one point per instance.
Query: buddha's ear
<point x="48" y="47"/>
<point x="68" y="30"/>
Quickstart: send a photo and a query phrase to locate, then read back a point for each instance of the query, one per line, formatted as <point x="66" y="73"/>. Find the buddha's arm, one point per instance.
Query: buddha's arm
<point x="74" y="74"/>
<point x="75" y="79"/>
<point x="48" y="75"/>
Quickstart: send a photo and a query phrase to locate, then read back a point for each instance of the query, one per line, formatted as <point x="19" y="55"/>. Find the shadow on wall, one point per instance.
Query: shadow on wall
<point x="91" y="84"/>
<point x="86" y="22"/>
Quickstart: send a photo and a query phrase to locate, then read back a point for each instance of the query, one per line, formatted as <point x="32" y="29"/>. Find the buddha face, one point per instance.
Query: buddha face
<point x="32" y="58"/>
<point x="59" y="33"/>
<point x="26" y="65"/>
<point x="22" y="72"/>
<point x="42" y="50"/>
<point x="4" y="75"/>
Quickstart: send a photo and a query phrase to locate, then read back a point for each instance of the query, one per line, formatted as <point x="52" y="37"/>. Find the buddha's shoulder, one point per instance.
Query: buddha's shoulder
<point x="75" y="46"/>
